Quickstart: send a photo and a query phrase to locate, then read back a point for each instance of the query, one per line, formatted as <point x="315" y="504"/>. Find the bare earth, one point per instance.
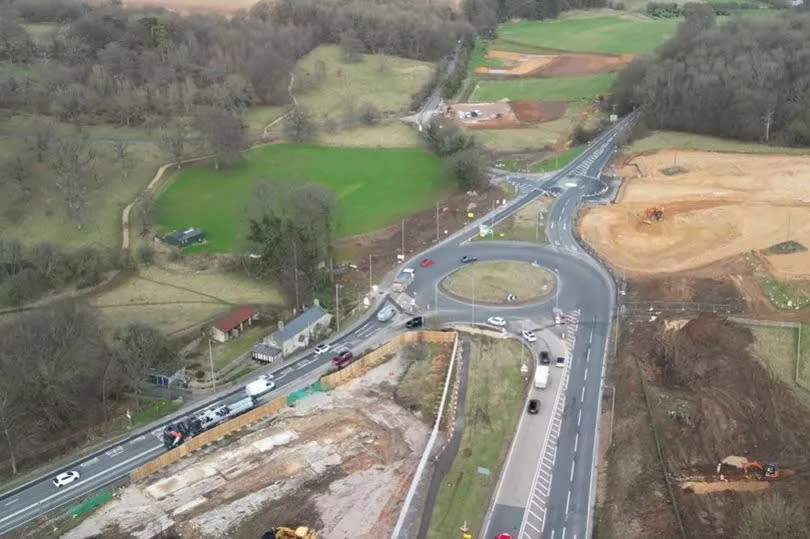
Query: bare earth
<point x="506" y="114"/>
<point x="721" y="205"/>
<point x="518" y="64"/>
<point x="339" y="462"/>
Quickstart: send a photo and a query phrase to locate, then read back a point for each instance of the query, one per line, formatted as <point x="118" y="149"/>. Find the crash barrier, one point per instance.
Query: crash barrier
<point x="358" y="368"/>
<point x="208" y="437"/>
<point x="381" y="354"/>
<point x="99" y="499"/>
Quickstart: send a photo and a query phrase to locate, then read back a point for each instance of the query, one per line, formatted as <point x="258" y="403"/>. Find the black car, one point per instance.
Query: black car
<point x="416" y="322"/>
<point x="534" y="406"/>
<point x="544" y="358"/>
<point x="467" y="259"/>
<point x="561" y="362"/>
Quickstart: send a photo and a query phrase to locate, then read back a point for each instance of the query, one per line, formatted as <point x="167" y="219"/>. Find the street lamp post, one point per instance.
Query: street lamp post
<point x="337" y="307"/>
<point x="473" y="300"/>
<point x="557" y="291"/>
<point x="211" y="361"/>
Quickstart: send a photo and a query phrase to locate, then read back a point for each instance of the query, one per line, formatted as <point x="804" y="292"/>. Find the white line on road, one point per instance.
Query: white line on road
<point x="90" y="462"/>
<point x="582" y="395"/>
<point x="11" y="501"/>
<point x="114" y="451"/>
<point x="588" y="355"/>
<point x="579" y="418"/>
<point x="563" y="534"/>
<point x="83" y="482"/>
<point x="576" y="441"/>
<point x="136" y="440"/>
<point x="567" y="502"/>
<point x="573" y="465"/>
<point x="552" y="534"/>
<point x="585" y="379"/>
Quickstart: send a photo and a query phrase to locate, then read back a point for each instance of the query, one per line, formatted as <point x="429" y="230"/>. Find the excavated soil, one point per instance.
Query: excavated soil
<point x="531" y="111"/>
<point x="718" y="206"/>
<point x="709" y="398"/>
<point x="506" y="114"/>
<point x="552" y="65"/>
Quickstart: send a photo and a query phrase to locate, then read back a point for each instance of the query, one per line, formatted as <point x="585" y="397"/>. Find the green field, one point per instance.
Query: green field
<point x="559" y="161"/>
<point x="567" y="88"/>
<point x="374" y="188"/>
<point x="535" y="137"/>
<point x="675" y="140"/>
<point x="495" y="396"/>
<point x="610" y="35"/>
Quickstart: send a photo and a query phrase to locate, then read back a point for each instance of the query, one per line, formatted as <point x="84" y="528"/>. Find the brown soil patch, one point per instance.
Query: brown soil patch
<point x="505" y="114"/>
<point x="721" y="206"/>
<point x="531" y="111"/>
<point x="709" y="398"/>
<point x="552" y="65"/>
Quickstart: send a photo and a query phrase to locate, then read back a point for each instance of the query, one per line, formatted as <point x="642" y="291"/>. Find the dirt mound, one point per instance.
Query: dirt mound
<point x="518" y="64"/>
<point x="721" y="206"/>
<point x="531" y="111"/>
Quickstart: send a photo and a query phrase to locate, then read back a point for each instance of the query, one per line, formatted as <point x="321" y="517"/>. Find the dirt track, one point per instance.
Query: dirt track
<point x="721" y="206"/>
<point x="552" y="65"/>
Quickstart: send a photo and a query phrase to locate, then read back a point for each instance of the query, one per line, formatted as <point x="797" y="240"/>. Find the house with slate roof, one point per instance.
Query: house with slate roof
<point x="293" y="335"/>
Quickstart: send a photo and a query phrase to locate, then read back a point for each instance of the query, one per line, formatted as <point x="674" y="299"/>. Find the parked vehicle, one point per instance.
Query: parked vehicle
<point x="529" y="336"/>
<point x="534" y="406"/>
<point x="496" y="321"/>
<point x="322" y="349"/>
<point x="416" y="322"/>
<point x="544" y="358"/>
<point x="65" y="478"/>
<point x="561" y="361"/>
<point x="342" y="359"/>
<point x="260" y="386"/>
<point x="541" y="376"/>
<point x="386" y="313"/>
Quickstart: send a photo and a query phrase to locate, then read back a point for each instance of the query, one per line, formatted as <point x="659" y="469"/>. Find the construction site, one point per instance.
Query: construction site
<point x="504" y="114"/>
<point x="518" y="64"/>
<point x="338" y="462"/>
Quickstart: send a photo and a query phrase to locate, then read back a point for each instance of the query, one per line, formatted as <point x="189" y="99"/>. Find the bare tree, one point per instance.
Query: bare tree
<point x="224" y="135"/>
<point x="299" y="126"/>
<point x="173" y="140"/>
<point x="41" y="136"/>
<point x="73" y="162"/>
<point x="121" y="148"/>
<point x="351" y="46"/>
<point x="141" y="349"/>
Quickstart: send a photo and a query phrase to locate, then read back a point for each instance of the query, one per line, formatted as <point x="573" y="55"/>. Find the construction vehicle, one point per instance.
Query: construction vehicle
<point x="651" y="214"/>
<point x="301" y="532"/>
<point x="769" y="470"/>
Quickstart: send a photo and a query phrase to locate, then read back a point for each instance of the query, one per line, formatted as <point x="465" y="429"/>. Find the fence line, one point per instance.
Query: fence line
<point x="331" y="381"/>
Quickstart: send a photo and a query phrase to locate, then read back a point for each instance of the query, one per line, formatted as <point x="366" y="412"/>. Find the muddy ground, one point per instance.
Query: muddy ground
<point x="709" y="399"/>
<point x="340" y="462"/>
<point x="517" y="64"/>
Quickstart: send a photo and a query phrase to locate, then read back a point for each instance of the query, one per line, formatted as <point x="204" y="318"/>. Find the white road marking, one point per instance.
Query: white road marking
<point x="567" y="502"/>
<point x="89" y="462"/>
<point x="582" y="394"/>
<point x="585" y="379"/>
<point x="563" y="533"/>
<point x="588" y="355"/>
<point x="573" y="465"/>
<point x="533" y="527"/>
<point x="552" y="534"/>
<point x="579" y="418"/>
<point x="82" y="482"/>
<point x="576" y="442"/>
<point x="11" y="501"/>
<point x="136" y="440"/>
<point x="114" y="451"/>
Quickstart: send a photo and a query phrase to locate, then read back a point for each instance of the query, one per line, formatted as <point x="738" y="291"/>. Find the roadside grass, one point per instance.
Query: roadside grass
<point x="525" y="225"/>
<point x="420" y="387"/>
<point x="490" y="281"/>
<point x="387" y="82"/>
<point x="676" y="140"/>
<point x="478" y="58"/>
<point x="374" y="187"/>
<point x="785" y="294"/>
<point x="776" y="347"/>
<point x="551" y="89"/>
<point x="393" y="134"/>
<point x="804" y="354"/>
<point x="224" y="353"/>
<point x="559" y="161"/>
<point x="540" y="136"/>
<point x="154" y="411"/>
<point x="44" y="218"/>
<point x="494" y="400"/>
<point x="609" y="35"/>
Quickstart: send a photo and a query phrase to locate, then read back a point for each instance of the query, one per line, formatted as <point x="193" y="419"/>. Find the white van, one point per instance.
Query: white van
<point x="386" y="313"/>
<point x="541" y="376"/>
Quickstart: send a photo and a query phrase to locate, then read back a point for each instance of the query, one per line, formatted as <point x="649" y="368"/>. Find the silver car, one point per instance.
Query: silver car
<point x="65" y="478"/>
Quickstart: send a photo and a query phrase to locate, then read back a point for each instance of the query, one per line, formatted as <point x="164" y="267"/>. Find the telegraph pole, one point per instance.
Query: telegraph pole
<point x="473" y="300"/>
<point x="403" y="240"/>
<point x="370" y="287"/>
<point x="211" y="360"/>
<point x="337" y="307"/>
<point x="295" y="275"/>
<point x="437" y="222"/>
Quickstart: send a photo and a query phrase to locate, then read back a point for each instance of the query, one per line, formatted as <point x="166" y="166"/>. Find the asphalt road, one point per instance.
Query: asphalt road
<point x="583" y="283"/>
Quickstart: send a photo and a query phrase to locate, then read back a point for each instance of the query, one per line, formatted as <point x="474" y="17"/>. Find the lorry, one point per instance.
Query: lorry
<point x="260" y="386"/>
<point x="541" y="375"/>
<point x="403" y="280"/>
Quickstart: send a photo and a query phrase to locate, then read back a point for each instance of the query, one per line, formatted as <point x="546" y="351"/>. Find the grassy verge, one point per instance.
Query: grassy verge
<point x="394" y="134"/>
<point x="374" y="187"/>
<point x="559" y="161"/>
<point x="495" y="393"/>
<point x="526" y="225"/>
<point x="552" y="89"/>
<point x="804" y="354"/>
<point x="785" y="294"/>
<point x="153" y="411"/>
<point x="421" y="385"/>
<point x="227" y="352"/>
<point x="610" y="35"/>
<point x="491" y="281"/>
<point x="669" y="140"/>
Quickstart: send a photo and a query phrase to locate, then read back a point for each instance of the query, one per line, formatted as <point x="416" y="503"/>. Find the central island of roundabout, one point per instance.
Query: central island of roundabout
<point x="499" y="282"/>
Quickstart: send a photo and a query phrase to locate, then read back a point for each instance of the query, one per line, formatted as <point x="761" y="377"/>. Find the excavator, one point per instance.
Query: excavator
<point x="651" y="214"/>
<point x="769" y="470"/>
<point x="301" y="532"/>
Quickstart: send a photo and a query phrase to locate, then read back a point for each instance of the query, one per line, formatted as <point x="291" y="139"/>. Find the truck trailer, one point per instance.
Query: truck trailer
<point x="541" y="376"/>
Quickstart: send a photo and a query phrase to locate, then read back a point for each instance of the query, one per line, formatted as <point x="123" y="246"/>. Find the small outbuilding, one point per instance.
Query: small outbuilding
<point x="266" y="353"/>
<point x="185" y="238"/>
<point x="233" y="323"/>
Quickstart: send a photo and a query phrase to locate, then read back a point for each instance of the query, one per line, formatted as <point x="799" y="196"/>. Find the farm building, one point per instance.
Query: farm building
<point x="232" y="324"/>
<point x="298" y="332"/>
<point x="188" y="236"/>
<point x="266" y="353"/>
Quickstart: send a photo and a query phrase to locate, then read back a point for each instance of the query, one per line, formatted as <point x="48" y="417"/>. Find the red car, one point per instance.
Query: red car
<point x="426" y="263"/>
<point x="343" y="358"/>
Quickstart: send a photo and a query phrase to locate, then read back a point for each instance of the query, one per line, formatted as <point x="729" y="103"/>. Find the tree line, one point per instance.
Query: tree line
<point x="747" y="79"/>
<point x="61" y="378"/>
<point x="485" y="15"/>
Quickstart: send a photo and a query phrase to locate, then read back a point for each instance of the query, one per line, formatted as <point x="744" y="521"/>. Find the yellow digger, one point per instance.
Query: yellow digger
<point x="301" y="532"/>
<point x="653" y="214"/>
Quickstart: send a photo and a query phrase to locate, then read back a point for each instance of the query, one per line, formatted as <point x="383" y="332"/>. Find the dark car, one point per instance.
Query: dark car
<point x="415" y="322"/>
<point x="544" y="358"/>
<point x="343" y="358"/>
<point x="467" y="259"/>
<point x="534" y="406"/>
<point x="561" y="362"/>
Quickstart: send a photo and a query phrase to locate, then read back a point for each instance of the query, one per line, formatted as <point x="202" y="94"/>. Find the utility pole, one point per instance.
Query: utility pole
<point x="403" y="240"/>
<point x="437" y="222"/>
<point x="473" y="300"/>
<point x="295" y="275"/>
<point x="436" y="298"/>
<point x="557" y="291"/>
<point x="337" y="307"/>
<point x="211" y="360"/>
<point x="370" y="287"/>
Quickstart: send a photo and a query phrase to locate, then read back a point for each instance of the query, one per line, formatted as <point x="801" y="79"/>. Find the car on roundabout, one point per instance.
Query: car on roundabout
<point x="65" y="478"/>
<point x="322" y="349"/>
<point x="496" y="321"/>
<point x="534" y="406"/>
<point x="529" y="335"/>
<point x="560" y="362"/>
<point x="545" y="359"/>
<point x="426" y="263"/>
<point x="467" y="259"/>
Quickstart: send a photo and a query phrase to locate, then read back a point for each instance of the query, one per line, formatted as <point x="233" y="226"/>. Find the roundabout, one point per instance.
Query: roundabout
<point x="499" y="282"/>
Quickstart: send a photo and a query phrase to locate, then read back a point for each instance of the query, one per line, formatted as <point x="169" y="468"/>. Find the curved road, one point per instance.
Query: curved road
<point x="584" y="285"/>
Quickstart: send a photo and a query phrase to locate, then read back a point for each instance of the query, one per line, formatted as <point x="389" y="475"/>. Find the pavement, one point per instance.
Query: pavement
<point x="583" y="285"/>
